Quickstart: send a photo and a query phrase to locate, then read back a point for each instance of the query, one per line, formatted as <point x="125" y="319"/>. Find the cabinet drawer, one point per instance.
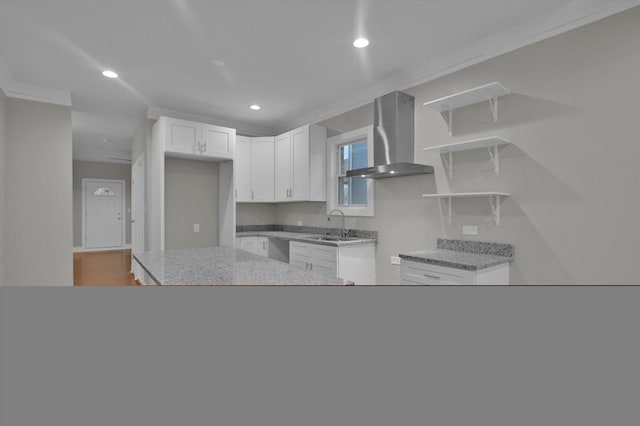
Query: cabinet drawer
<point x="325" y="253"/>
<point x="299" y="258"/>
<point x="420" y="273"/>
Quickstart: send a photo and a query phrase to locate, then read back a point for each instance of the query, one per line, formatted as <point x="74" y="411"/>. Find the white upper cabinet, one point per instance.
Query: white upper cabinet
<point x="182" y="136"/>
<point x="189" y="139"/>
<point x="242" y="164"/>
<point x="254" y="169"/>
<point x="283" y="177"/>
<point x="262" y="169"/>
<point x="300" y="158"/>
<point x="217" y="142"/>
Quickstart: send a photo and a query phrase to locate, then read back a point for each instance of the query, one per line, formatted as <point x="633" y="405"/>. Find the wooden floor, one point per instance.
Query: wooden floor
<point x="102" y="268"/>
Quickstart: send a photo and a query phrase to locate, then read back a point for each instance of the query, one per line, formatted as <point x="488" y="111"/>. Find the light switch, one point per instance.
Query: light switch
<point x="395" y="260"/>
<point x="299" y="223"/>
<point x="196" y="227"/>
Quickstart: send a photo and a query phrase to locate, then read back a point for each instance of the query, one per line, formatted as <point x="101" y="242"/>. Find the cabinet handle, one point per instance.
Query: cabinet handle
<point x="432" y="276"/>
<point x="264" y="245"/>
<point x="311" y="266"/>
<point x="205" y="147"/>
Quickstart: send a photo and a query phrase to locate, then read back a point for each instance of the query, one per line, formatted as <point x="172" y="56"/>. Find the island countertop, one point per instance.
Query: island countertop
<point x="226" y="266"/>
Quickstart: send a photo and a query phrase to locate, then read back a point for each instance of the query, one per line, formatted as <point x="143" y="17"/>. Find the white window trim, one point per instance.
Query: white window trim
<point x="332" y="182"/>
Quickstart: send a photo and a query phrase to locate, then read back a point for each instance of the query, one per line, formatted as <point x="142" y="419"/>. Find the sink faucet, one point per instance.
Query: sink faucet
<point x="343" y="233"/>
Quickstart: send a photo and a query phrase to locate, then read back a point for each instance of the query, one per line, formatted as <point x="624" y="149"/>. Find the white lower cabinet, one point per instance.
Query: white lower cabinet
<point x="352" y="262"/>
<point x="418" y="273"/>
<point x="255" y="245"/>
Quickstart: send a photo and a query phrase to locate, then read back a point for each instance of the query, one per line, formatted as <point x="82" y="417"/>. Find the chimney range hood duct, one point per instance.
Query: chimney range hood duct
<point x="393" y="147"/>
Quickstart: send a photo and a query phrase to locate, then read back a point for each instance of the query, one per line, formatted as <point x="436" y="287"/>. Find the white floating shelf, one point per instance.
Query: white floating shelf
<point x="489" y="92"/>
<point x="494" y="200"/>
<point x="491" y="143"/>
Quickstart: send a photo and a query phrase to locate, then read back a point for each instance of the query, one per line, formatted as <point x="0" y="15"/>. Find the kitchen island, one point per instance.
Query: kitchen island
<point x="225" y="266"/>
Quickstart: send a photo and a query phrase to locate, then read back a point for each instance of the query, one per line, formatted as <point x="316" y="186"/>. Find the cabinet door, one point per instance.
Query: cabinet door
<point x="217" y="142"/>
<point x="262" y="169"/>
<point x="283" y="167"/>
<point x="249" y="244"/>
<point x="183" y="136"/>
<point x="242" y="163"/>
<point x="263" y="246"/>
<point x="300" y="164"/>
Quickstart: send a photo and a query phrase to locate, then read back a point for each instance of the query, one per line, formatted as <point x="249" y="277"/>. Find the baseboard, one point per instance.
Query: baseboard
<point x="85" y="250"/>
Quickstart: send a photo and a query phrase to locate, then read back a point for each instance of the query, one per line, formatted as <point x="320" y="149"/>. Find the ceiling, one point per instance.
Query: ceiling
<point x="213" y="59"/>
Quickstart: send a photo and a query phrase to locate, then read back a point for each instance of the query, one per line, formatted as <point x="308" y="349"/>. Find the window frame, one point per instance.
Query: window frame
<point x="333" y="145"/>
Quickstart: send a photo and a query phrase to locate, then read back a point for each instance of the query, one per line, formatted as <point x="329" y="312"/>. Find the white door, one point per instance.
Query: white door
<point x="104" y="218"/>
<point x="137" y="214"/>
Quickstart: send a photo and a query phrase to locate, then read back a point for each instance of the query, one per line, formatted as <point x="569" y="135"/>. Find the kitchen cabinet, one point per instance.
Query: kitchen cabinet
<point x="189" y="139"/>
<point x="300" y="164"/>
<point x="255" y="169"/>
<point x="173" y="137"/>
<point x="350" y="262"/>
<point x="242" y="165"/>
<point x="418" y="273"/>
<point x="255" y="245"/>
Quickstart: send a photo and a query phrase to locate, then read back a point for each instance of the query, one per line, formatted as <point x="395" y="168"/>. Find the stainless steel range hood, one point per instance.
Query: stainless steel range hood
<point x="393" y="147"/>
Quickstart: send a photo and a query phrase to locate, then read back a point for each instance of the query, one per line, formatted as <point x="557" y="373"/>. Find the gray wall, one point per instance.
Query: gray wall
<point x="191" y="196"/>
<point x="573" y="168"/>
<point x="255" y="214"/>
<point x="91" y="170"/>
<point x="38" y="224"/>
<point x="3" y="178"/>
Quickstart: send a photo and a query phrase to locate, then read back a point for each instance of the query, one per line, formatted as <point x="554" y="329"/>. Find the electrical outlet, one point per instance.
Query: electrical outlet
<point x="469" y="230"/>
<point x="196" y="227"/>
<point x="395" y="260"/>
<point x="299" y="223"/>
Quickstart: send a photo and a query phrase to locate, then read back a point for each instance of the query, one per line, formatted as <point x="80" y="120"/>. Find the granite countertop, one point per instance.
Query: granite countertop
<point x="305" y="238"/>
<point x="226" y="266"/>
<point x="467" y="255"/>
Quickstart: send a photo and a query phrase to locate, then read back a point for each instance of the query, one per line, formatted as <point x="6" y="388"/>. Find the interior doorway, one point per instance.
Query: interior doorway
<point x="103" y="222"/>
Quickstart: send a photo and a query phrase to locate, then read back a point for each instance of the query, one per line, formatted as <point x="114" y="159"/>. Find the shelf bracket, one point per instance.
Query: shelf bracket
<point x="495" y="158"/>
<point x="447" y="159"/>
<point x="495" y="207"/>
<point x="448" y="118"/>
<point x="493" y="103"/>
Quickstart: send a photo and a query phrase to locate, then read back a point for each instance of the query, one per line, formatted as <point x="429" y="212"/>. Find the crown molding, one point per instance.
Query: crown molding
<point x="574" y="15"/>
<point x="13" y="89"/>
<point x="36" y="93"/>
<point x="241" y="128"/>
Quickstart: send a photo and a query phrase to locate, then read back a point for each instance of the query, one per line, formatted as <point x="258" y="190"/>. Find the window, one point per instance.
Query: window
<point x="348" y="151"/>
<point x="104" y="191"/>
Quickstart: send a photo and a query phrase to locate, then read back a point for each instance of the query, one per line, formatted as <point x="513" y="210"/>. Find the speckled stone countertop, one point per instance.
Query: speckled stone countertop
<point x="305" y="238"/>
<point x="226" y="266"/>
<point x="467" y="255"/>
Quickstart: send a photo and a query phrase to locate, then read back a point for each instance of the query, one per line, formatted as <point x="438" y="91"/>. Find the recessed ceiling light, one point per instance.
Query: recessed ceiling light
<point x="106" y="140"/>
<point x="217" y="63"/>
<point x="361" y="42"/>
<point x="255" y="107"/>
<point x="109" y="74"/>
